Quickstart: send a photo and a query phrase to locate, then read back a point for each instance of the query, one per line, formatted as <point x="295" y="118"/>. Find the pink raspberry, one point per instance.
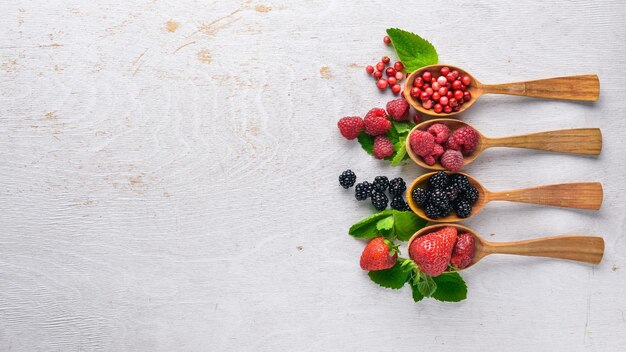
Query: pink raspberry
<point x="383" y="147"/>
<point x="422" y="143"/>
<point x="440" y="131"/>
<point x="429" y="160"/>
<point x="437" y="151"/>
<point x="398" y="109"/>
<point x="464" y="139"/>
<point x="350" y="126"/>
<point x="376" y="122"/>
<point x="452" y="160"/>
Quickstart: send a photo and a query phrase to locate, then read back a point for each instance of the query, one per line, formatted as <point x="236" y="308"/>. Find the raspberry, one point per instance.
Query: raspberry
<point x="419" y="195"/>
<point x="398" y="109"/>
<point x="379" y="200"/>
<point x="440" y="131"/>
<point x="464" y="139"/>
<point x="452" y="160"/>
<point x="397" y="186"/>
<point x="429" y="160"/>
<point x="462" y="208"/>
<point x="380" y="183"/>
<point x="422" y="143"/>
<point x="347" y="179"/>
<point x="383" y="147"/>
<point x="350" y="126"/>
<point x="362" y="190"/>
<point x="437" y="151"/>
<point x="376" y="122"/>
<point x="439" y="180"/>
<point x="398" y="203"/>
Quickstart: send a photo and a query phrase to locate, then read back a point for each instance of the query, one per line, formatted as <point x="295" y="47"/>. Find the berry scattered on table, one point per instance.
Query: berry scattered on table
<point x="350" y="126"/>
<point x="386" y="40"/>
<point x="463" y="251"/>
<point x="376" y="122"/>
<point x="397" y="186"/>
<point x="380" y="183"/>
<point x="432" y="252"/>
<point x="451" y="88"/>
<point x="347" y="179"/>
<point x="398" y="203"/>
<point x="363" y="190"/>
<point x="383" y="148"/>
<point x="379" y="254"/>
<point x="398" y="109"/>
<point x="379" y="200"/>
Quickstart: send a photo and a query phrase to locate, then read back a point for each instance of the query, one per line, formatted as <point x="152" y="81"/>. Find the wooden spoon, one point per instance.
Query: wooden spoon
<point x="573" y="141"/>
<point x="583" y="87"/>
<point x="587" y="249"/>
<point x="583" y="195"/>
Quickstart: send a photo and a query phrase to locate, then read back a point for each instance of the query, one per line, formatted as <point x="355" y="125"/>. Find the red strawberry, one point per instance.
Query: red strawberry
<point x="379" y="254"/>
<point x="463" y="251"/>
<point x="350" y="126"/>
<point x="432" y="252"/>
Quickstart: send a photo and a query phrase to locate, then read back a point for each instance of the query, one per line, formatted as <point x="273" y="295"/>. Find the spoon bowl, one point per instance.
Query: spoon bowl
<point x="584" y="141"/>
<point x="582" y="87"/>
<point x="587" y="249"/>
<point x="580" y="195"/>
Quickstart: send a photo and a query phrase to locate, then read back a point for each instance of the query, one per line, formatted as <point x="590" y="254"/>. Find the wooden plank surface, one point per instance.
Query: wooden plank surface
<point x="168" y="176"/>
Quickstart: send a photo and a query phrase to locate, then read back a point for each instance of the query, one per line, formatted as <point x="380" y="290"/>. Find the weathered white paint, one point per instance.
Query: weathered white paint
<point x="172" y="187"/>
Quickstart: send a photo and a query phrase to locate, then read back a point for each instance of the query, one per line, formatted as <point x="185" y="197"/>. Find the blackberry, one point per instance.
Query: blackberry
<point x="461" y="182"/>
<point x="419" y="195"/>
<point x="471" y="194"/>
<point x="379" y="200"/>
<point x="451" y="192"/>
<point x="347" y="179"/>
<point x="362" y="190"/>
<point x="432" y="211"/>
<point x="381" y="183"/>
<point x="397" y="186"/>
<point x="439" y="180"/>
<point x="463" y="208"/>
<point x="439" y="198"/>
<point x="398" y="203"/>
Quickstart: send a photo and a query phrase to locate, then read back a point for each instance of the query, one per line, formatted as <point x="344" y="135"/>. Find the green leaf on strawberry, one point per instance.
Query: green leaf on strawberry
<point x="417" y="295"/>
<point x="450" y="288"/>
<point x="426" y="285"/>
<point x="414" y="51"/>
<point x="394" y="277"/>
<point x="367" y="228"/>
<point x="406" y="223"/>
<point x="367" y="142"/>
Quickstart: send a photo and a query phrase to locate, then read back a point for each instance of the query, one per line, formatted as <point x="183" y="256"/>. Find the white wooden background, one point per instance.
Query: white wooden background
<point x="168" y="176"/>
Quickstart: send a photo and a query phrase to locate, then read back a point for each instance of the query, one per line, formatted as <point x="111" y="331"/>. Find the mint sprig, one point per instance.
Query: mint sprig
<point x="397" y="134"/>
<point x="388" y="223"/>
<point x="414" y="51"/>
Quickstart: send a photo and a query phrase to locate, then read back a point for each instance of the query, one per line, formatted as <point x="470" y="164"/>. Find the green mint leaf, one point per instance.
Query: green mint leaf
<point x="450" y="288"/>
<point x="366" y="228"/>
<point x="402" y="127"/>
<point x="393" y="135"/>
<point x="400" y="153"/>
<point x="426" y="285"/>
<point x="367" y="142"/>
<point x="417" y="295"/>
<point x="394" y="277"/>
<point x="406" y="223"/>
<point x="414" y="51"/>
<point x="385" y="226"/>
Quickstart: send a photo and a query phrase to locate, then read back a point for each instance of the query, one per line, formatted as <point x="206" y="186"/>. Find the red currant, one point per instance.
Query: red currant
<point x="386" y="40"/>
<point x="418" y="82"/>
<point x="443" y="101"/>
<point x="392" y="80"/>
<point x="427" y="76"/>
<point x="378" y="74"/>
<point x="458" y="94"/>
<point x="429" y="91"/>
<point x="457" y="85"/>
<point x="456" y="108"/>
<point x="424" y="96"/>
<point x="396" y="88"/>
<point x="438" y="108"/>
<point x="436" y="96"/>
<point x="390" y="71"/>
<point x="455" y="73"/>
<point x="433" y="80"/>
<point x="436" y="86"/>
<point x="453" y="102"/>
<point x="467" y="96"/>
<point x="385" y="59"/>
<point x="415" y="92"/>
<point x="447" y="109"/>
<point x="450" y="95"/>
<point x="466" y="80"/>
<point x="442" y="80"/>
<point x="399" y="76"/>
<point x="399" y="66"/>
<point x="382" y="84"/>
<point x="380" y="66"/>
<point x="444" y="70"/>
<point x="369" y="69"/>
<point x="450" y="77"/>
<point x="428" y="104"/>
<point x="425" y="86"/>
<point x="443" y="91"/>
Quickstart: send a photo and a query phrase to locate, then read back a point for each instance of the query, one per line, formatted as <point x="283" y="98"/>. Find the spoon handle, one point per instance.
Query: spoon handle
<point x="586" y="249"/>
<point x="572" y="141"/>
<point x="583" y="195"/>
<point x="584" y="87"/>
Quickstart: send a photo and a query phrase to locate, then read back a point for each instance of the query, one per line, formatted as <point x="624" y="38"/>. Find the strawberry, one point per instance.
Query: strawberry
<point x="379" y="254"/>
<point x="432" y="252"/>
<point x="463" y="251"/>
